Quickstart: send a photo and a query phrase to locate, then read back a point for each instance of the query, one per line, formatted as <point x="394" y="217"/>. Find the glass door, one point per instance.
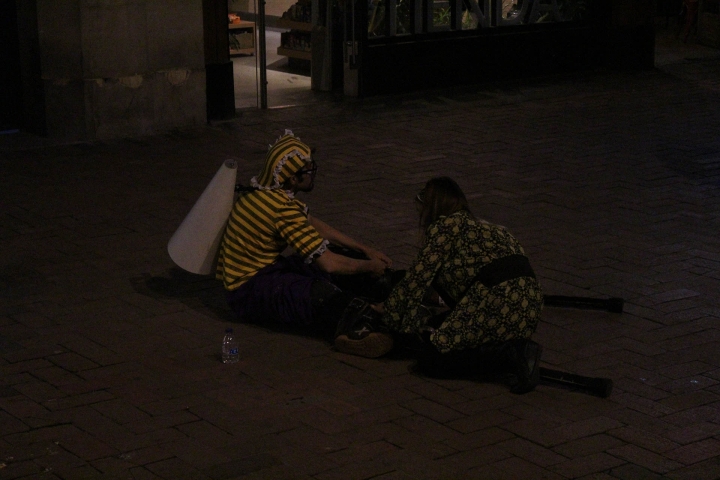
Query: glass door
<point x="274" y="67"/>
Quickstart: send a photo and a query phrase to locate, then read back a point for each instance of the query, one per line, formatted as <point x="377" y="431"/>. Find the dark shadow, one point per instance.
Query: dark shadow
<point x="8" y="346"/>
<point x="199" y="292"/>
<point x="205" y="294"/>
<point x="294" y="68"/>
<point x="698" y="163"/>
<point x="477" y="375"/>
<point x="10" y="79"/>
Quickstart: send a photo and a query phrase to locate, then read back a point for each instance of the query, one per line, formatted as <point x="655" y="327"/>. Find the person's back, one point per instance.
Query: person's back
<point x="472" y="244"/>
<point x="261" y="226"/>
<point x="265" y="286"/>
<point x="480" y="272"/>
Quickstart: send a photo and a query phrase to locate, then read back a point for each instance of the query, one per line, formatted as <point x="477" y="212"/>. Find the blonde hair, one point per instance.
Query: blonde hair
<point x="441" y="196"/>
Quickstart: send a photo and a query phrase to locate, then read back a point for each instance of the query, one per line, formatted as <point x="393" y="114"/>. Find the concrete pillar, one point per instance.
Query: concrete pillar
<point x="10" y="80"/>
<point x="218" y="66"/>
<point x="630" y="42"/>
<point x="114" y="68"/>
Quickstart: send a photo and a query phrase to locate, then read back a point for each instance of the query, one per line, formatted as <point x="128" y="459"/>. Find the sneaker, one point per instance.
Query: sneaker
<point x="525" y="364"/>
<point x="360" y="332"/>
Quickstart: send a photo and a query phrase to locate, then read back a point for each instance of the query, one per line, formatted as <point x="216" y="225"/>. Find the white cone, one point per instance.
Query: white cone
<point x="194" y="245"/>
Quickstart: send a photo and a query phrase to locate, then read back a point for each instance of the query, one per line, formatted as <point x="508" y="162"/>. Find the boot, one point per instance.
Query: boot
<point x="481" y="363"/>
<point x="361" y="333"/>
<point x="523" y="357"/>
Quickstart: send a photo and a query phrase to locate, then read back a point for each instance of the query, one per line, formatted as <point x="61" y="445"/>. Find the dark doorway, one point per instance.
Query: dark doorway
<point x="10" y="84"/>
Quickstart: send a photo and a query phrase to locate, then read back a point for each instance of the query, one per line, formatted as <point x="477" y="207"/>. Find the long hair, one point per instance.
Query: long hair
<point x="441" y="196"/>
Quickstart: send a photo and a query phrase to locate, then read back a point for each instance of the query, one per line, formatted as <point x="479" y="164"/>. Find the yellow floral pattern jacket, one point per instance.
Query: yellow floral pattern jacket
<point x="454" y="250"/>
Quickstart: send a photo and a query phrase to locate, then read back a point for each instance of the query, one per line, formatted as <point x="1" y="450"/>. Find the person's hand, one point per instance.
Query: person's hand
<point x="378" y="307"/>
<point x="373" y="254"/>
<point x="377" y="266"/>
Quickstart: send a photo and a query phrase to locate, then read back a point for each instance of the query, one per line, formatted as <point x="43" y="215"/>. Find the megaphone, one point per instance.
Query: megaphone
<point x="194" y="245"/>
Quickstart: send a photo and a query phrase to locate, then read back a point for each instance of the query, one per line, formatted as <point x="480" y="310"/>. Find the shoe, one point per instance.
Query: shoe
<point x="361" y="333"/>
<point x="380" y="288"/>
<point x="524" y="358"/>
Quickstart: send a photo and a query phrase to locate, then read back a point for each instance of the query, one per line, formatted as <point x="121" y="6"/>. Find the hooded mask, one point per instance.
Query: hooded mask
<point x="287" y="156"/>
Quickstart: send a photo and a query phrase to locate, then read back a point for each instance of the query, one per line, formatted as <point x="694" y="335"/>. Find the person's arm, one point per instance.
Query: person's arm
<point x="296" y="228"/>
<point x="338" y="238"/>
<point x="341" y="265"/>
<point x="400" y="309"/>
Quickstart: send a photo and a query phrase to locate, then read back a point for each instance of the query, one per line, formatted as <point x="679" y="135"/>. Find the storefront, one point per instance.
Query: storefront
<point x="414" y="44"/>
<point x="10" y="81"/>
<point x="369" y="47"/>
<point x="86" y="70"/>
<point x="708" y="23"/>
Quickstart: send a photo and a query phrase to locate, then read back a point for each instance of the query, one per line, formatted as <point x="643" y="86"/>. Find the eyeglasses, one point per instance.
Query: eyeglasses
<point x="312" y="171"/>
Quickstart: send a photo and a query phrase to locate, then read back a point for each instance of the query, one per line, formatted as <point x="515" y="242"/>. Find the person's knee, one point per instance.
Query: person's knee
<point x="328" y="301"/>
<point x="321" y="292"/>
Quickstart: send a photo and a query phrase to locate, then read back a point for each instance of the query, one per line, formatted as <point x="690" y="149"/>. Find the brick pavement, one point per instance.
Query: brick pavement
<point x="109" y="355"/>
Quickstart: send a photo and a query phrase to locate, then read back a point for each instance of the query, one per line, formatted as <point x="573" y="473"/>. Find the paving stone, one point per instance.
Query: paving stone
<point x="432" y="410"/>
<point x="22" y="407"/>
<point x="458" y="464"/>
<point x="693" y="433"/>
<point x="22" y="469"/>
<point x="109" y="352"/>
<point x="586" y="446"/>
<point x="696" y="452"/>
<point x="532" y="452"/>
<point x="242" y="467"/>
<point x="709" y="412"/>
<point x="706" y="470"/>
<point x="483" y="404"/>
<point x="379" y="415"/>
<point x="634" y="472"/>
<point x="121" y="412"/>
<point x="479" y="438"/>
<point x="437" y="393"/>
<point x="10" y="424"/>
<point x="690" y="400"/>
<point x="175" y="468"/>
<point x="582" y="466"/>
<point x="480" y="421"/>
<point x="58" y="459"/>
<point x="645" y="458"/>
<point x="362" y="452"/>
<point x="644" y="438"/>
<point x="512" y="468"/>
<point x="78" y="400"/>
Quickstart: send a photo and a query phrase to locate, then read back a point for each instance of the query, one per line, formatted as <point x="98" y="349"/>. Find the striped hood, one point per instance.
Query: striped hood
<point x="286" y="156"/>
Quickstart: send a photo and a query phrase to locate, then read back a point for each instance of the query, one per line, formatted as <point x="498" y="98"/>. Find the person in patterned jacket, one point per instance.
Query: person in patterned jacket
<point x="479" y="271"/>
<point x="300" y="289"/>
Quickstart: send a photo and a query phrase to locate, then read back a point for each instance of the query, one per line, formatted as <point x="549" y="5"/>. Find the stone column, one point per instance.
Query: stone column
<point x="114" y="68"/>
<point x="218" y="66"/>
<point x="630" y="42"/>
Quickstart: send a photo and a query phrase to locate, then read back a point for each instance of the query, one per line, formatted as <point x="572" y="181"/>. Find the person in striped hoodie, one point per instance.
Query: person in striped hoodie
<point x="266" y="286"/>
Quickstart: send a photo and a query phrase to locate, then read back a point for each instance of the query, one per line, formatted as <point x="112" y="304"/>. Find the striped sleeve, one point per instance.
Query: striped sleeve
<point x="261" y="225"/>
<point x="293" y="225"/>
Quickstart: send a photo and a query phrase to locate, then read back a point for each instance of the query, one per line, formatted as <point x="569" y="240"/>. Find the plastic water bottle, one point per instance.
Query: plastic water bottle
<point x="230" y="350"/>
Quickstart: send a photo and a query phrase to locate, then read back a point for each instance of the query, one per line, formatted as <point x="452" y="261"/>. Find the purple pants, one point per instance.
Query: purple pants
<point x="278" y="293"/>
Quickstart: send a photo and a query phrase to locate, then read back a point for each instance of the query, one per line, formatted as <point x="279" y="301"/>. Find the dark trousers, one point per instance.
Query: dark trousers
<point x="485" y="360"/>
<point x="278" y="293"/>
<point x="294" y="293"/>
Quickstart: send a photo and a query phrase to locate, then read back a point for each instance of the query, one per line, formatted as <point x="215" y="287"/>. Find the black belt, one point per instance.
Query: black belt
<point x="494" y="273"/>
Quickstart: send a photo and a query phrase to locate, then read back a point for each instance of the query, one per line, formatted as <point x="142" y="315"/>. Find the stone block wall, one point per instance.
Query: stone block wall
<point x="113" y="68"/>
<point x="630" y="40"/>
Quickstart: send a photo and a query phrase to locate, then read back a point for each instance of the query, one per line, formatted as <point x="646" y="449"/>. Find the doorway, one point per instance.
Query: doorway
<point x="288" y="80"/>
<point x="10" y="80"/>
<point x="303" y="56"/>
